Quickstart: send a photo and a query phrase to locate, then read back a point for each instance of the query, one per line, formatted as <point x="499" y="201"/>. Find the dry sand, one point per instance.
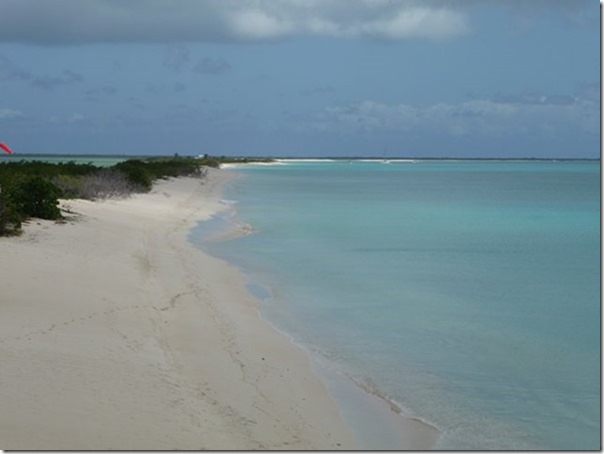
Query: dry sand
<point x="116" y="334"/>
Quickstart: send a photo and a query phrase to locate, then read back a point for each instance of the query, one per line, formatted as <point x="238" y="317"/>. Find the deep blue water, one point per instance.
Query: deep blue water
<point x="466" y="291"/>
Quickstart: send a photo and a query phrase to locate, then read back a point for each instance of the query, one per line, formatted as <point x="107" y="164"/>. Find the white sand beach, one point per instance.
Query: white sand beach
<point x="117" y="334"/>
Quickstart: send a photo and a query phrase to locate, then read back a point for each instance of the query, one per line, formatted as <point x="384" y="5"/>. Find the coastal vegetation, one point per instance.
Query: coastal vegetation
<point x="32" y="189"/>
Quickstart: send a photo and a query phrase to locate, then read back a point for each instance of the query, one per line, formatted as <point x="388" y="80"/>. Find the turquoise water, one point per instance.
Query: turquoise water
<point x="468" y="292"/>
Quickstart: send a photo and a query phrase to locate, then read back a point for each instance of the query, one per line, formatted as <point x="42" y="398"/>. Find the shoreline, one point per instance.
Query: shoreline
<point x="117" y="333"/>
<point x="378" y="422"/>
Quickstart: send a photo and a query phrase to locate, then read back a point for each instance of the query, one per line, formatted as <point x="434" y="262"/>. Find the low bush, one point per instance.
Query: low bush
<point x="10" y="220"/>
<point x="36" y="197"/>
<point x="70" y="185"/>
<point x="136" y="172"/>
<point x="106" y="183"/>
<point x="32" y="188"/>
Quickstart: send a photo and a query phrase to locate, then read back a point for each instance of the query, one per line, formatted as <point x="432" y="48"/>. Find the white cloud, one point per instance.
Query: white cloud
<point x="478" y="117"/>
<point x="10" y="114"/>
<point x="44" y="22"/>
<point x="424" y="22"/>
<point x="257" y="23"/>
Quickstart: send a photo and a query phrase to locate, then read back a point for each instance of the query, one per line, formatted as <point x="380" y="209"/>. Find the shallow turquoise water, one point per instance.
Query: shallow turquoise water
<point x="466" y="291"/>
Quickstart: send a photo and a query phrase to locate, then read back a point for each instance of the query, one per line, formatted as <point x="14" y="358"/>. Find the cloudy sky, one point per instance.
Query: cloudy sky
<point x="474" y="78"/>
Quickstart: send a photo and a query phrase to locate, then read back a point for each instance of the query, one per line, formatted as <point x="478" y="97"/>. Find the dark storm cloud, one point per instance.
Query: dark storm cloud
<point x="58" y="22"/>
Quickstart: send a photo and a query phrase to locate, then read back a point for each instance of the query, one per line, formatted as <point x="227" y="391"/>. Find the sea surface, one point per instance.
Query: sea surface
<point x="468" y="292"/>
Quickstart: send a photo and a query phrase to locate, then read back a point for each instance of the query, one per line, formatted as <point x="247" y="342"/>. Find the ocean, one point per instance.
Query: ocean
<point x="467" y="292"/>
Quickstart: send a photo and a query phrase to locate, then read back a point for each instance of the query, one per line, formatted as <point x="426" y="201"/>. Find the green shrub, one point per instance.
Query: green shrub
<point x="10" y="220"/>
<point x="136" y="172"/>
<point x="36" y="197"/>
<point x="70" y="185"/>
<point x="32" y="188"/>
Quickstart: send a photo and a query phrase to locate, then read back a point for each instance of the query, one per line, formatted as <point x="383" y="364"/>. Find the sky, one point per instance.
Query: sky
<point x="430" y="78"/>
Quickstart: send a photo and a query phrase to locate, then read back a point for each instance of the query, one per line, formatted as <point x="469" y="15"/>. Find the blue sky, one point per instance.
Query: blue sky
<point x="460" y="78"/>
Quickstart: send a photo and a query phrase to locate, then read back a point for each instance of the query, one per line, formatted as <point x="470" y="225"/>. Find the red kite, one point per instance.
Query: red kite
<point x="5" y="148"/>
